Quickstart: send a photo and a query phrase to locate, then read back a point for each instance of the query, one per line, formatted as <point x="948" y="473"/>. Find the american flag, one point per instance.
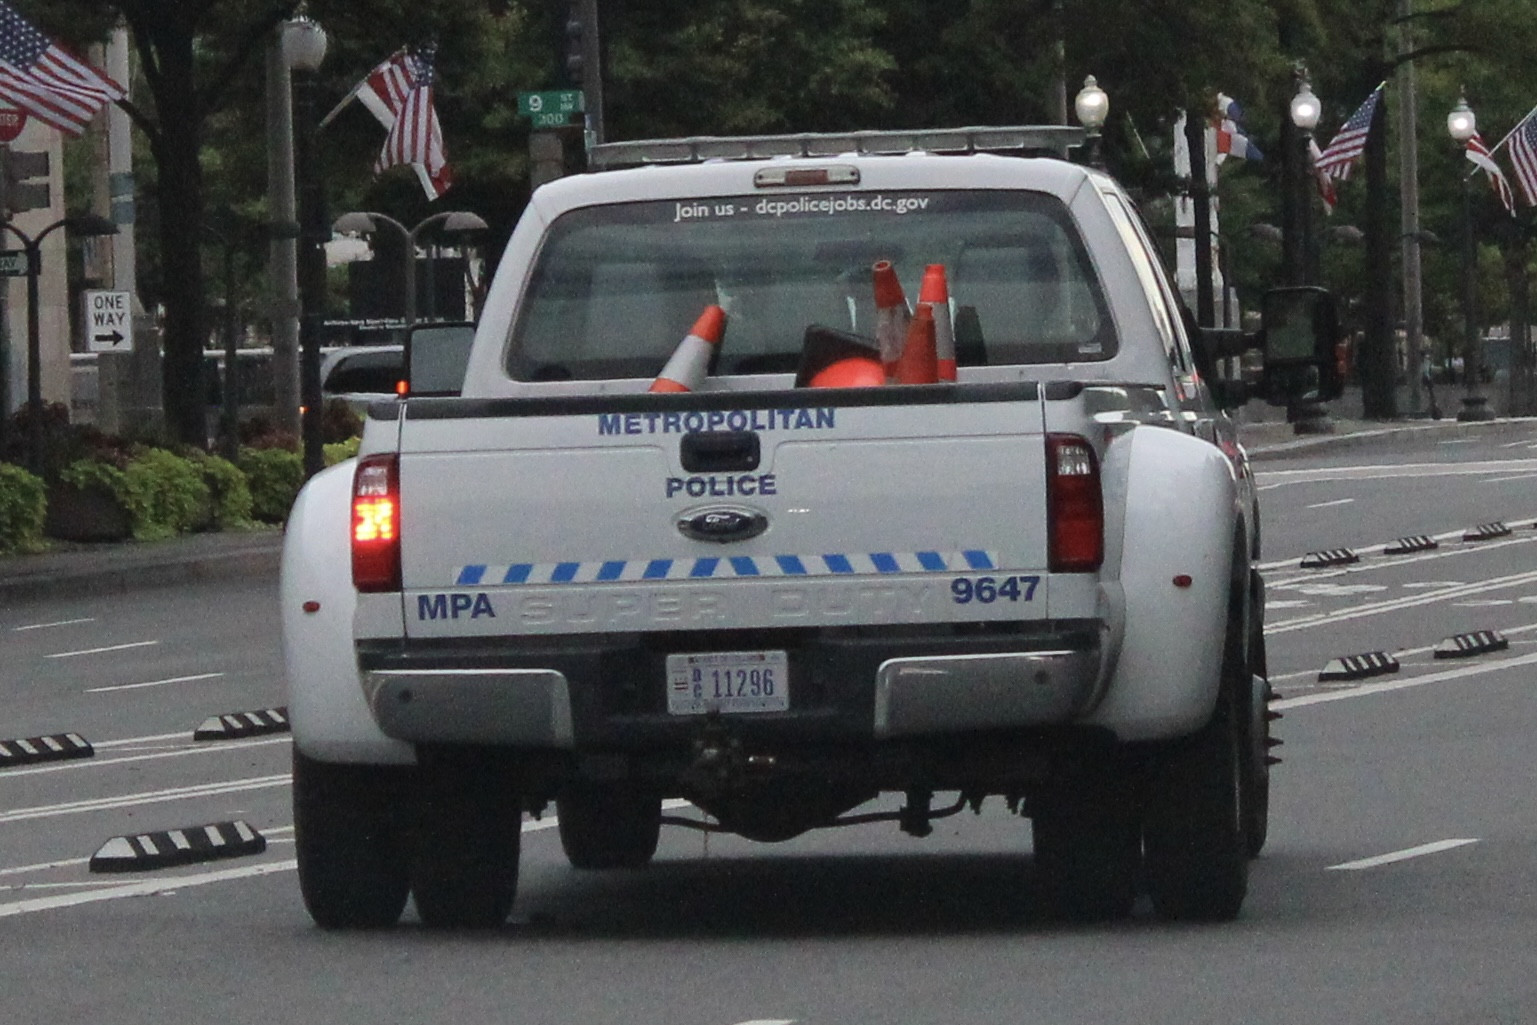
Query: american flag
<point x="1523" y="156"/>
<point x="1484" y="161"/>
<point x="47" y="81"/>
<point x="399" y="93"/>
<point x="1326" y="190"/>
<point x="1340" y="155"/>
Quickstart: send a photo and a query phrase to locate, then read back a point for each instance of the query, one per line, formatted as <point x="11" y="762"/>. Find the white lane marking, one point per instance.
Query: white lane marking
<point x="76" y="764"/>
<point x="1327" y="590"/>
<point x="1483" y="603"/>
<point x="233" y="786"/>
<point x="102" y="651"/>
<point x="1395" y="604"/>
<point x="769" y="1021"/>
<point x="1416" y="681"/>
<point x="1403" y="855"/>
<point x="58" y="886"/>
<point x="1456" y="441"/>
<point x="154" y="683"/>
<point x="144" y="889"/>
<point x="49" y="626"/>
<point x="1286" y="604"/>
<point x="1506" y="480"/>
<point x="42" y="866"/>
<point x="1404" y="653"/>
<point x="130" y="741"/>
<point x="1319" y="474"/>
<point x="1326" y="505"/>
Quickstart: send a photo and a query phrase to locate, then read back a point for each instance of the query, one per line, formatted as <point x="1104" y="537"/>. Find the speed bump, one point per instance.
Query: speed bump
<point x="145" y="852"/>
<point x="1475" y="643"/>
<point x="52" y="748"/>
<point x="1406" y="545"/>
<point x="1359" y="667"/>
<point x="1329" y="557"/>
<point x="243" y="724"/>
<point x="1486" y="532"/>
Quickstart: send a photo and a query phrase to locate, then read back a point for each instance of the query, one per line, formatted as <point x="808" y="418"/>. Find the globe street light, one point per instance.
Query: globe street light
<point x="1308" y="415"/>
<point x="304" y="46"/>
<point x="1092" y="105"/>
<point x="455" y="222"/>
<point x="1462" y="126"/>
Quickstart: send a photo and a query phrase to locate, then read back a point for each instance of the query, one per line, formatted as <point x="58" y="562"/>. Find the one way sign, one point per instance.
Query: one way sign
<point x="109" y="319"/>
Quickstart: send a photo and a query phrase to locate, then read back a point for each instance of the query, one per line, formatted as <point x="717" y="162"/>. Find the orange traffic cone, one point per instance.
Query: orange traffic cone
<point x="891" y="315"/>
<point x="918" y="364"/>
<point x="935" y="293"/>
<point x="690" y="361"/>
<point x="837" y="359"/>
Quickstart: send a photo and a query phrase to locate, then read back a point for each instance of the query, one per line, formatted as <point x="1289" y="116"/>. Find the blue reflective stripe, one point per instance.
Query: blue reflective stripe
<point x="932" y="561"/>
<point x="565" y="572"/>
<point x="837" y="563"/>
<point x="791" y="565"/>
<point x="611" y="570"/>
<point x="978" y="560"/>
<point x="657" y="569"/>
<point x="744" y="566"/>
<point x="885" y="562"/>
<point x="704" y="567"/>
<point x="518" y="573"/>
<point x="469" y="576"/>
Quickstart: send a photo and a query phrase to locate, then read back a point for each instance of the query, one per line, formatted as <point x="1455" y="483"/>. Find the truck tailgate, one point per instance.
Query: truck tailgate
<point x="877" y="506"/>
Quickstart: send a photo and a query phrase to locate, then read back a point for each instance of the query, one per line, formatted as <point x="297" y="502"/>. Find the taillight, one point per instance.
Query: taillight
<point x="376" y="524"/>
<point x="1075" y="511"/>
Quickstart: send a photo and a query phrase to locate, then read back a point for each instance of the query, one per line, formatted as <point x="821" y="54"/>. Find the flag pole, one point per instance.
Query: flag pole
<point x="1513" y="131"/>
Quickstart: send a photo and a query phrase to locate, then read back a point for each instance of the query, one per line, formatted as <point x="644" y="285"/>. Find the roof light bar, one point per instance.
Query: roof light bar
<point x="1056" y="139"/>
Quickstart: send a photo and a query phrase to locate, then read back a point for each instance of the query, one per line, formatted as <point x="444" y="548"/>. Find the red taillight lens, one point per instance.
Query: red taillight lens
<point x="1075" y="511"/>
<point x="376" y="524"/>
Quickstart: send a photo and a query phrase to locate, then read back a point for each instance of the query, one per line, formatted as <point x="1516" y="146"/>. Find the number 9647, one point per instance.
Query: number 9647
<point x="987" y="590"/>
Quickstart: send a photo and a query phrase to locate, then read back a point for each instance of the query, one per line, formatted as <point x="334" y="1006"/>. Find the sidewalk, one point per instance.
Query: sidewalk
<point x="85" y="569"/>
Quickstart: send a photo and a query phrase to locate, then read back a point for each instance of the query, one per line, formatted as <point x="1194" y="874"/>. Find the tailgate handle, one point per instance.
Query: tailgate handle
<point x="720" y="451"/>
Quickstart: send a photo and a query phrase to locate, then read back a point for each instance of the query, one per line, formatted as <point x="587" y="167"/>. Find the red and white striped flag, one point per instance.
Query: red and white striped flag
<point x="1484" y="161"/>
<point x="399" y="93"/>
<point x="46" y="80"/>
<point x="1523" y="157"/>
<point x="1325" y="184"/>
<point x="1349" y="142"/>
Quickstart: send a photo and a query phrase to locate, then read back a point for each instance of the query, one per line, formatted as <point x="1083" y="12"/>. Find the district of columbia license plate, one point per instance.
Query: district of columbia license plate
<point x="730" y="682"/>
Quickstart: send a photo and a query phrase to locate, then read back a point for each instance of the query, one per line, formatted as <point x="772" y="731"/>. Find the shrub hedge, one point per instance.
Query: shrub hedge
<point x="23" y="506"/>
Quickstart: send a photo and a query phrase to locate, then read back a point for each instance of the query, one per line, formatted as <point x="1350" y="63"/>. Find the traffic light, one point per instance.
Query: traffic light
<point x="575" y="45"/>
<point x="18" y="192"/>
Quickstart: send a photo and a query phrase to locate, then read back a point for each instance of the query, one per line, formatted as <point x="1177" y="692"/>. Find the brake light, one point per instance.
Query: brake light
<point x="376" y="524"/>
<point x="1075" y="510"/>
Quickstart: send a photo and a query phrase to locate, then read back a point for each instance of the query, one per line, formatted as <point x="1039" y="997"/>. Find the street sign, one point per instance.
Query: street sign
<point x="12" y="121"/>
<point x="550" y="109"/>
<point x="13" y="263"/>
<point x="109" y="319"/>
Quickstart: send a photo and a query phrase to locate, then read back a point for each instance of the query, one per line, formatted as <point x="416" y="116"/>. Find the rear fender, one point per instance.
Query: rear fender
<point x="1181" y="518"/>
<point x="330" y="719"/>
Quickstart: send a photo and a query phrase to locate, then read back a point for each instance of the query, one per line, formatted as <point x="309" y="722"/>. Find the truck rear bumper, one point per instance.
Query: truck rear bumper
<point x="607" y="692"/>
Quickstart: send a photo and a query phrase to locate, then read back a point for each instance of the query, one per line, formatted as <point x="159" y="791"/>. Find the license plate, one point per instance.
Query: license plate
<point x="730" y="682"/>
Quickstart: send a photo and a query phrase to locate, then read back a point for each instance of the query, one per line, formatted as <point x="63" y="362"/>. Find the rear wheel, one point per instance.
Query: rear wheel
<point x="464" y="866"/>
<point x="1195" y="850"/>
<point x="608" y="827"/>
<point x="1087" y="849"/>
<point x="350" y="841"/>
<point x="1256" y="780"/>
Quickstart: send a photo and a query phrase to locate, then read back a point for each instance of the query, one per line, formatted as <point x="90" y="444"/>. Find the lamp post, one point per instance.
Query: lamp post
<point x="1308" y="415"/>
<point x="366" y="223"/>
<point x="304" y="42"/>
<point x="1462" y="125"/>
<point x="1092" y="106"/>
<point x="90" y="226"/>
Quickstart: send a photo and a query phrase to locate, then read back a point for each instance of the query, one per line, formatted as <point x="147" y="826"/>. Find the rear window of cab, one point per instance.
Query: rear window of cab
<point x="616" y="287"/>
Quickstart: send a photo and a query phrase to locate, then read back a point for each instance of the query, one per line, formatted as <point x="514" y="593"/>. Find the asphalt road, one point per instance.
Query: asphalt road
<point x="1397" y="886"/>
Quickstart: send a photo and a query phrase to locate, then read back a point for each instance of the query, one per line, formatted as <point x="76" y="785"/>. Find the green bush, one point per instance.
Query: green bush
<point x="163" y="494"/>
<point x="230" y="492"/>
<point x="274" y="476"/>
<point x="23" y="506"/>
<point x="337" y="451"/>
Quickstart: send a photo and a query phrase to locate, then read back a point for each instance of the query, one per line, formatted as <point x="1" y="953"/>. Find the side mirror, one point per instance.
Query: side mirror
<point x="1298" y="345"/>
<point x="436" y="355"/>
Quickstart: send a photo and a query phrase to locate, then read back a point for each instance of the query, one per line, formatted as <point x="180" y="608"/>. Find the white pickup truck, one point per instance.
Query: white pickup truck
<point x="1034" y="582"/>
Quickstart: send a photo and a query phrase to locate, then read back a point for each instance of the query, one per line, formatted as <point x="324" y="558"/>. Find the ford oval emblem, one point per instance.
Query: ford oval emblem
<point x="722" y="524"/>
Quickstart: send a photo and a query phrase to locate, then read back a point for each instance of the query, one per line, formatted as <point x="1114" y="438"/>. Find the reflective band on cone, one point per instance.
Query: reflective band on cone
<point x="917" y="364"/>
<point x="690" y="361"/>
<point x="935" y="293"/>
<point x="892" y="316"/>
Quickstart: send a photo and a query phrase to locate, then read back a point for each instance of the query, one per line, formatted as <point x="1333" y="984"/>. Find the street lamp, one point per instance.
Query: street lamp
<point x="304" y="45"/>
<point x="455" y="222"/>
<point x="1462" y="125"/>
<point x="86" y="225"/>
<point x="1308" y="415"/>
<point x="1092" y="105"/>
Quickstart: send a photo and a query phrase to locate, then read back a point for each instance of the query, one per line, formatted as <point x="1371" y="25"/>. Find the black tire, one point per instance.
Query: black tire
<point x="469" y="828"/>
<point x="608" y="827"/>
<point x="1256" y="735"/>
<point x="350" y="840"/>
<point x="1195" y="853"/>
<point x="1087" y="850"/>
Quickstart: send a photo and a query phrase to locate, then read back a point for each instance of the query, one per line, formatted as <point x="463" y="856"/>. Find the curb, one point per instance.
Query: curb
<point x="1261" y="449"/>
<point x="130" y="567"/>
